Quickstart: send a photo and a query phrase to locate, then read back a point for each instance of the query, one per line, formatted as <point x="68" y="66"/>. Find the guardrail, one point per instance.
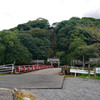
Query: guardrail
<point x="27" y="68"/>
<point x="76" y="70"/>
<point x="8" y="68"/>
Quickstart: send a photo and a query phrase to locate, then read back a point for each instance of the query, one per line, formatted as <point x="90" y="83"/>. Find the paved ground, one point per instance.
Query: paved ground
<point x="52" y="71"/>
<point x="38" y="80"/>
<point x="73" y="89"/>
<point x="5" y="95"/>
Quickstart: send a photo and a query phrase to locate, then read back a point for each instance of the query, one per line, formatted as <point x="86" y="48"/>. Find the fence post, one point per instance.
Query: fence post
<point x="95" y="72"/>
<point x="18" y="68"/>
<point x="24" y="69"/>
<point x="12" y="68"/>
<point x="28" y="68"/>
<point x="89" y="70"/>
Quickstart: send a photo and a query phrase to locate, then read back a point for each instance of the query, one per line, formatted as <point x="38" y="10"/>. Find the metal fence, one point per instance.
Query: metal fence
<point x="8" y="68"/>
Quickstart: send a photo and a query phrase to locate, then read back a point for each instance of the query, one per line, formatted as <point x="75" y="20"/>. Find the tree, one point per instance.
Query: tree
<point x="77" y="42"/>
<point x="39" y="23"/>
<point x="38" y="47"/>
<point x="60" y="25"/>
<point x="19" y="54"/>
<point x="86" y="52"/>
<point x="37" y="32"/>
<point x="92" y="28"/>
<point x="74" y="49"/>
<point x="23" y="27"/>
<point x="7" y="40"/>
<point x="11" y="49"/>
<point x="79" y="50"/>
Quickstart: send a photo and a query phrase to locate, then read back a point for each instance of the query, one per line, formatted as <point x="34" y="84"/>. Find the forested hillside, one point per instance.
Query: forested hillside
<point x="74" y="39"/>
<point x="78" y="39"/>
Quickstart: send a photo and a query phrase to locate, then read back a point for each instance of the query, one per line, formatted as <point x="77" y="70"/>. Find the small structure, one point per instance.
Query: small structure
<point x="54" y="61"/>
<point x="94" y="59"/>
<point x="77" y="62"/>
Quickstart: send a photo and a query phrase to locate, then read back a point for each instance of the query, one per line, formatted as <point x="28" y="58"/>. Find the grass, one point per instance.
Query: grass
<point x="83" y="76"/>
<point x="3" y="73"/>
<point x="22" y="94"/>
<point x="66" y="76"/>
<point x="91" y="76"/>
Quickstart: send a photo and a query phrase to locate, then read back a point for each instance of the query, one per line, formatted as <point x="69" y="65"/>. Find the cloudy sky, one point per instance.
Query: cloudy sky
<point x="14" y="12"/>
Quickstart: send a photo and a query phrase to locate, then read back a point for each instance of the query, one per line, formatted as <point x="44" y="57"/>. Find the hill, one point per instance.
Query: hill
<point x="73" y="39"/>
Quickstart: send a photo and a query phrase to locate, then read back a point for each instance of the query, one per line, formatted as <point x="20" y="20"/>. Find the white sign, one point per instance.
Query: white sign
<point x="53" y="60"/>
<point x="97" y="70"/>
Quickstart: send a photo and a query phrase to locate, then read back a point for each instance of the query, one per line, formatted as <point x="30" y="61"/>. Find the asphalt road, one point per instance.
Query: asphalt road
<point x="50" y="71"/>
<point x="35" y="80"/>
<point x="73" y="89"/>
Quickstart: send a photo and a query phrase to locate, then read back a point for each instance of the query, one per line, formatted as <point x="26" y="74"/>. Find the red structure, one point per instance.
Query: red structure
<point x="27" y="68"/>
<point x="65" y="66"/>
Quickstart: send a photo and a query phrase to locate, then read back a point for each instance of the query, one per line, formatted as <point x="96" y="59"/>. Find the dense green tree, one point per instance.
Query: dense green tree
<point x="87" y="29"/>
<point x="39" y="23"/>
<point x="79" y="50"/>
<point x="23" y="27"/>
<point x="10" y="45"/>
<point x="94" y="33"/>
<point x="60" y="25"/>
<point x="37" y="32"/>
<point x="86" y="52"/>
<point x="73" y="49"/>
<point x="75" y="44"/>
<point x="76" y="38"/>
<point x="19" y="54"/>
<point x="37" y="46"/>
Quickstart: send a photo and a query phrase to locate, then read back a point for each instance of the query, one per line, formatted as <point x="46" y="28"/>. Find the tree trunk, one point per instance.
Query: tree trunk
<point x="83" y="61"/>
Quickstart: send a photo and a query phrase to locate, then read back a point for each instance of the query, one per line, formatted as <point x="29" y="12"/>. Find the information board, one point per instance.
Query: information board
<point x="97" y="70"/>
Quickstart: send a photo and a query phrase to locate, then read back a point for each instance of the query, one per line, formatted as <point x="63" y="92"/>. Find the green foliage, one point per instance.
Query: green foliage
<point x="76" y="38"/>
<point x="37" y="32"/>
<point x="11" y="50"/>
<point x="91" y="76"/>
<point x="79" y="50"/>
<point x="63" y="57"/>
<point x="75" y="44"/>
<point x="37" y="46"/>
<point x="60" y="25"/>
<point x="39" y="23"/>
<point x="23" y="27"/>
<point x="3" y="74"/>
<point x="95" y="63"/>
<point x="19" y="54"/>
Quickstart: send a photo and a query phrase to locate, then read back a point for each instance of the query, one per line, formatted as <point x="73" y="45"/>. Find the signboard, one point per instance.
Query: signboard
<point x="53" y="60"/>
<point x="97" y="70"/>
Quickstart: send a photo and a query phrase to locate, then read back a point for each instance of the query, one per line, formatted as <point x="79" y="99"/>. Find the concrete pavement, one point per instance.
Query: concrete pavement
<point x="52" y="71"/>
<point x="32" y="81"/>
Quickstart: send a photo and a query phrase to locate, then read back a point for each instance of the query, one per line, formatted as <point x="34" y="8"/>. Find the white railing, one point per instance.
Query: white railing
<point x="8" y="68"/>
<point x="79" y="71"/>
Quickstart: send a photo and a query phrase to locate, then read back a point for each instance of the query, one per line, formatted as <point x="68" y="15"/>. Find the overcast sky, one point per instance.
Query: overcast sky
<point x="14" y="12"/>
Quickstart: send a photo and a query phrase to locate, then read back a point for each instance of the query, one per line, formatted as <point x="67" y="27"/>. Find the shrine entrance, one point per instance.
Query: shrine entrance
<point x="54" y="61"/>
